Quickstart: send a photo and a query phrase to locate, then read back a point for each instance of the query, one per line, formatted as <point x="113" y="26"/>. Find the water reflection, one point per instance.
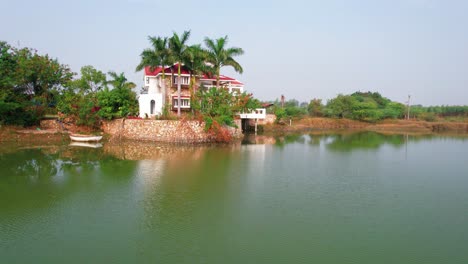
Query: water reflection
<point x="346" y="141"/>
<point x="39" y="177"/>
<point x="144" y="202"/>
<point x="364" y="140"/>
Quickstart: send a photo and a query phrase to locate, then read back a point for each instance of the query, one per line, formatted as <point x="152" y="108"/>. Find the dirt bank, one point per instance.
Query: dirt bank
<point x="393" y="126"/>
<point x="28" y="135"/>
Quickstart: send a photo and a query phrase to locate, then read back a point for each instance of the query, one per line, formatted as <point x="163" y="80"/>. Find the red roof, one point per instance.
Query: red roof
<point x="183" y="70"/>
<point x="153" y="72"/>
<point x="222" y="78"/>
<point x="167" y="70"/>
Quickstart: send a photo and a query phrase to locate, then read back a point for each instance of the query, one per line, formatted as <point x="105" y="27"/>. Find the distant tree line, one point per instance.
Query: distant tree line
<point x="364" y="106"/>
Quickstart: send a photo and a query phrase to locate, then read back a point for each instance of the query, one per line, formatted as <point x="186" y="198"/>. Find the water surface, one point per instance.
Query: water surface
<point x="344" y="198"/>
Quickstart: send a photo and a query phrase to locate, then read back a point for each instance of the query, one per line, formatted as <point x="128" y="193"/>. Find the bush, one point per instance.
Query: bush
<point x="427" y="116"/>
<point x="117" y="103"/>
<point x="22" y="114"/>
<point x="218" y="106"/>
<point x="315" y="108"/>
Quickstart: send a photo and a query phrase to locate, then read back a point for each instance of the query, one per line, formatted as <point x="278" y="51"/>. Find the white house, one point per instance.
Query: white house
<point x="159" y="96"/>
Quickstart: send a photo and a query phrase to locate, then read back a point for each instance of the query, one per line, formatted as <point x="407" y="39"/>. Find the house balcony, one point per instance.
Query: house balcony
<point x="230" y="88"/>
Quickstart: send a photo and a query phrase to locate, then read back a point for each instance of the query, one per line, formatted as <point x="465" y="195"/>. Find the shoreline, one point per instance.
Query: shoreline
<point x="324" y="125"/>
<point x="307" y="125"/>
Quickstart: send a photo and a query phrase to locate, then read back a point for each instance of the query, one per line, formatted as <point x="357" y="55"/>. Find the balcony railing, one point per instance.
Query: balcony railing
<point x="259" y="113"/>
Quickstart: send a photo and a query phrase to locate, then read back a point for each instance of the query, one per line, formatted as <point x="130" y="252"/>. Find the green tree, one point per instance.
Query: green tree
<point x="220" y="56"/>
<point x="218" y="106"/>
<point x="91" y="80"/>
<point x="315" y="107"/>
<point x="178" y="48"/>
<point x="195" y="62"/>
<point x="41" y="75"/>
<point x="119" y="81"/>
<point x="9" y="76"/>
<point x="158" y="55"/>
<point x="118" y="102"/>
<point x="29" y="83"/>
<point x="341" y="106"/>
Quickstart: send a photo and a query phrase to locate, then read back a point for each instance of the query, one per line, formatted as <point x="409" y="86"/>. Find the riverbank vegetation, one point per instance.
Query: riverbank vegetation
<point x="368" y="107"/>
<point x="33" y="86"/>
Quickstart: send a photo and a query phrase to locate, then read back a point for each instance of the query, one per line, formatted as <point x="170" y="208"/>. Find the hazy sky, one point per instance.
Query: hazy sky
<point x="302" y="49"/>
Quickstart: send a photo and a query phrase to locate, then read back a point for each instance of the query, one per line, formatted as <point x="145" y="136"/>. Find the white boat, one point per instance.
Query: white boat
<point x="84" y="138"/>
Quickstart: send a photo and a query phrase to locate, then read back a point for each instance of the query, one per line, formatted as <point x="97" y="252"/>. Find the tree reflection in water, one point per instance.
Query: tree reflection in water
<point x="364" y="140"/>
<point x="39" y="177"/>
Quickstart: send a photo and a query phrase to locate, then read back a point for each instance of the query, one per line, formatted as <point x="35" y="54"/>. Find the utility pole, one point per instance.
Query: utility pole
<point x="408" y="106"/>
<point x="282" y="101"/>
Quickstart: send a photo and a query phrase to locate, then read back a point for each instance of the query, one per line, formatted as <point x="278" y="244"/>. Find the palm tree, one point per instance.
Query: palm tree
<point x="119" y="81"/>
<point x="195" y="62"/>
<point x="219" y="56"/>
<point x="178" y="48"/>
<point x="158" y="55"/>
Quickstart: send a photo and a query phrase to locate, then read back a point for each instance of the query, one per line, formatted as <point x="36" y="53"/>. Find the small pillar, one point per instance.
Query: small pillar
<point x="256" y="122"/>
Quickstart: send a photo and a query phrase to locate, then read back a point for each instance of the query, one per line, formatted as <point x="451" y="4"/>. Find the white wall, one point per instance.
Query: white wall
<point x="144" y="102"/>
<point x="153" y="87"/>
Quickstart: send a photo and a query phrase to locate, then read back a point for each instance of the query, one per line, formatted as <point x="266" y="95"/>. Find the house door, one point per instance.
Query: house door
<point x="152" y="106"/>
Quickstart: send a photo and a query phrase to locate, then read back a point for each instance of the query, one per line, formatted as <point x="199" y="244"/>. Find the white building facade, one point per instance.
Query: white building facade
<point x="160" y="95"/>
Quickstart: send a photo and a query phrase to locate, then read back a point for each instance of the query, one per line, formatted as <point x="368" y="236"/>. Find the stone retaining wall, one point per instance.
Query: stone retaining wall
<point x="176" y="131"/>
<point x="50" y="124"/>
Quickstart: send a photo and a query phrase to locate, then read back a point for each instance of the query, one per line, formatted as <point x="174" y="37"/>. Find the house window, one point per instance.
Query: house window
<point x="184" y="80"/>
<point x="184" y="102"/>
<point x="236" y="90"/>
<point x="147" y="80"/>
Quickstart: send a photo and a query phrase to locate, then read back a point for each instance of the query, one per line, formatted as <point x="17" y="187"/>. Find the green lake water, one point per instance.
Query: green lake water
<point x="353" y="198"/>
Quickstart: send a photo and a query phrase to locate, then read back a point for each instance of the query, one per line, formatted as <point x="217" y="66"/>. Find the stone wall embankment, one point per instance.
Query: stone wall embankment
<point x="174" y="131"/>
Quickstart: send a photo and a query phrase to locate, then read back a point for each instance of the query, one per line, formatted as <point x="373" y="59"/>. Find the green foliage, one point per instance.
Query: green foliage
<point x="119" y="81"/>
<point x="218" y="106"/>
<point x="219" y="56"/>
<point x="87" y="112"/>
<point x="40" y="74"/>
<point x="432" y="113"/>
<point x="88" y="106"/>
<point x="29" y="84"/>
<point x="291" y="109"/>
<point x="295" y="111"/>
<point x="117" y="103"/>
<point x="394" y="110"/>
<point x="280" y="114"/>
<point x="91" y="80"/>
<point x="315" y="108"/>
<point x="18" y="114"/>
<point x="369" y="107"/>
<point x="341" y="106"/>
<point x="178" y="49"/>
<point x="158" y="54"/>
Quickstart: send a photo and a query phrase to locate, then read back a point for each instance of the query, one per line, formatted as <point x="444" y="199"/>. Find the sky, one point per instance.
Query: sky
<point x="300" y="49"/>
